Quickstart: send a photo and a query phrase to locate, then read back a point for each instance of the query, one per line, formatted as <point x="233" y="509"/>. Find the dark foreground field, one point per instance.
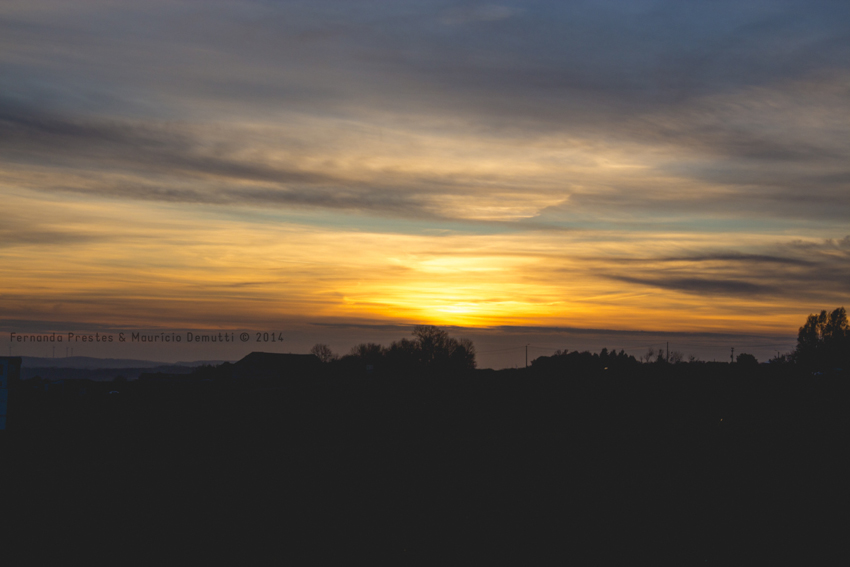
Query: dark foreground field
<point x="692" y="464"/>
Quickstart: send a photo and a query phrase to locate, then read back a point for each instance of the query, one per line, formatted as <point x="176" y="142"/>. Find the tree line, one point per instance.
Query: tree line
<point x="823" y="344"/>
<point x="430" y="350"/>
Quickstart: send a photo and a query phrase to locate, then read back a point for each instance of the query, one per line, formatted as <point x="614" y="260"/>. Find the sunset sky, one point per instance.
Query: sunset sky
<point x="341" y="170"/>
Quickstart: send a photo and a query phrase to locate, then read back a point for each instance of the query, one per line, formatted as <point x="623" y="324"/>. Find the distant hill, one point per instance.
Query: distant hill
<point x="101" y="369"/>
<point x="91" y="363"/>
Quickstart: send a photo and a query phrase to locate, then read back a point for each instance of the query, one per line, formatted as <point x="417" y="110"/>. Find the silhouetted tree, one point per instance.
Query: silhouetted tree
<point x="403" y="355"/>
<point x="437" y="350"/>
<point x="370" y="353"/>
<point x="463" y="355"/>
<point x="432" y="349"/>
<point x="323" y="352"/>
<point x="824" y="340"/>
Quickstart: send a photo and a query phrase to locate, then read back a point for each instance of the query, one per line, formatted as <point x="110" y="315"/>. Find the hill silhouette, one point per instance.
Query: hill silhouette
<point x="91" y="363"/>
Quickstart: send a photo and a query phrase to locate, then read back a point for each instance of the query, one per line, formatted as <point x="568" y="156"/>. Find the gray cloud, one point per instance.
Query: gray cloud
<point x="731" y="95"/>
<point x="727" y="257"/>
<point x="24" y="235"/>
<point x="701" y="286"/>
<point x="814" y="270"/>
<point x="532" y="60"/>
<point x="42" y="136"/>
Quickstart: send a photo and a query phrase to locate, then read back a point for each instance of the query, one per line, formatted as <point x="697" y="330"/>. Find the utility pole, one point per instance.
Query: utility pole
<point x="526" y="356"/>
<point x="668" y="352"/>
<point x="732" y="356"/>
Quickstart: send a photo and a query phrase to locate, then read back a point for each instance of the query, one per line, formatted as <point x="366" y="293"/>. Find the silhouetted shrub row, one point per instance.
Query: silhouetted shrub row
<point x="431" y="350"/>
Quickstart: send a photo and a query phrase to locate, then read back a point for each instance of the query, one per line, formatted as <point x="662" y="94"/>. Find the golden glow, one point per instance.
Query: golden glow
<point x="164" y="265"/>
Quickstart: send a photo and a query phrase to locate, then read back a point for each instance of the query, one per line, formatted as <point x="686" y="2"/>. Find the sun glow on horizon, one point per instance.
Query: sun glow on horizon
<point x="158" y="264"/>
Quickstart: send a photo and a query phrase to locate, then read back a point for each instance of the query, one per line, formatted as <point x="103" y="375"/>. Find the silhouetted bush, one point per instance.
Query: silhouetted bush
<point x="581" y="363"/>
<point x="746" y="359"/>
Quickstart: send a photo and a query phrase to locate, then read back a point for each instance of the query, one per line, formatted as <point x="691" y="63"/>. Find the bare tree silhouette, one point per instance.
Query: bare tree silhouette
<point x="323" y="352"/>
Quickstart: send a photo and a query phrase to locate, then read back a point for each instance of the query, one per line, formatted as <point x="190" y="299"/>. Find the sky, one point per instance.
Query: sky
<point x="613" y="174"/>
